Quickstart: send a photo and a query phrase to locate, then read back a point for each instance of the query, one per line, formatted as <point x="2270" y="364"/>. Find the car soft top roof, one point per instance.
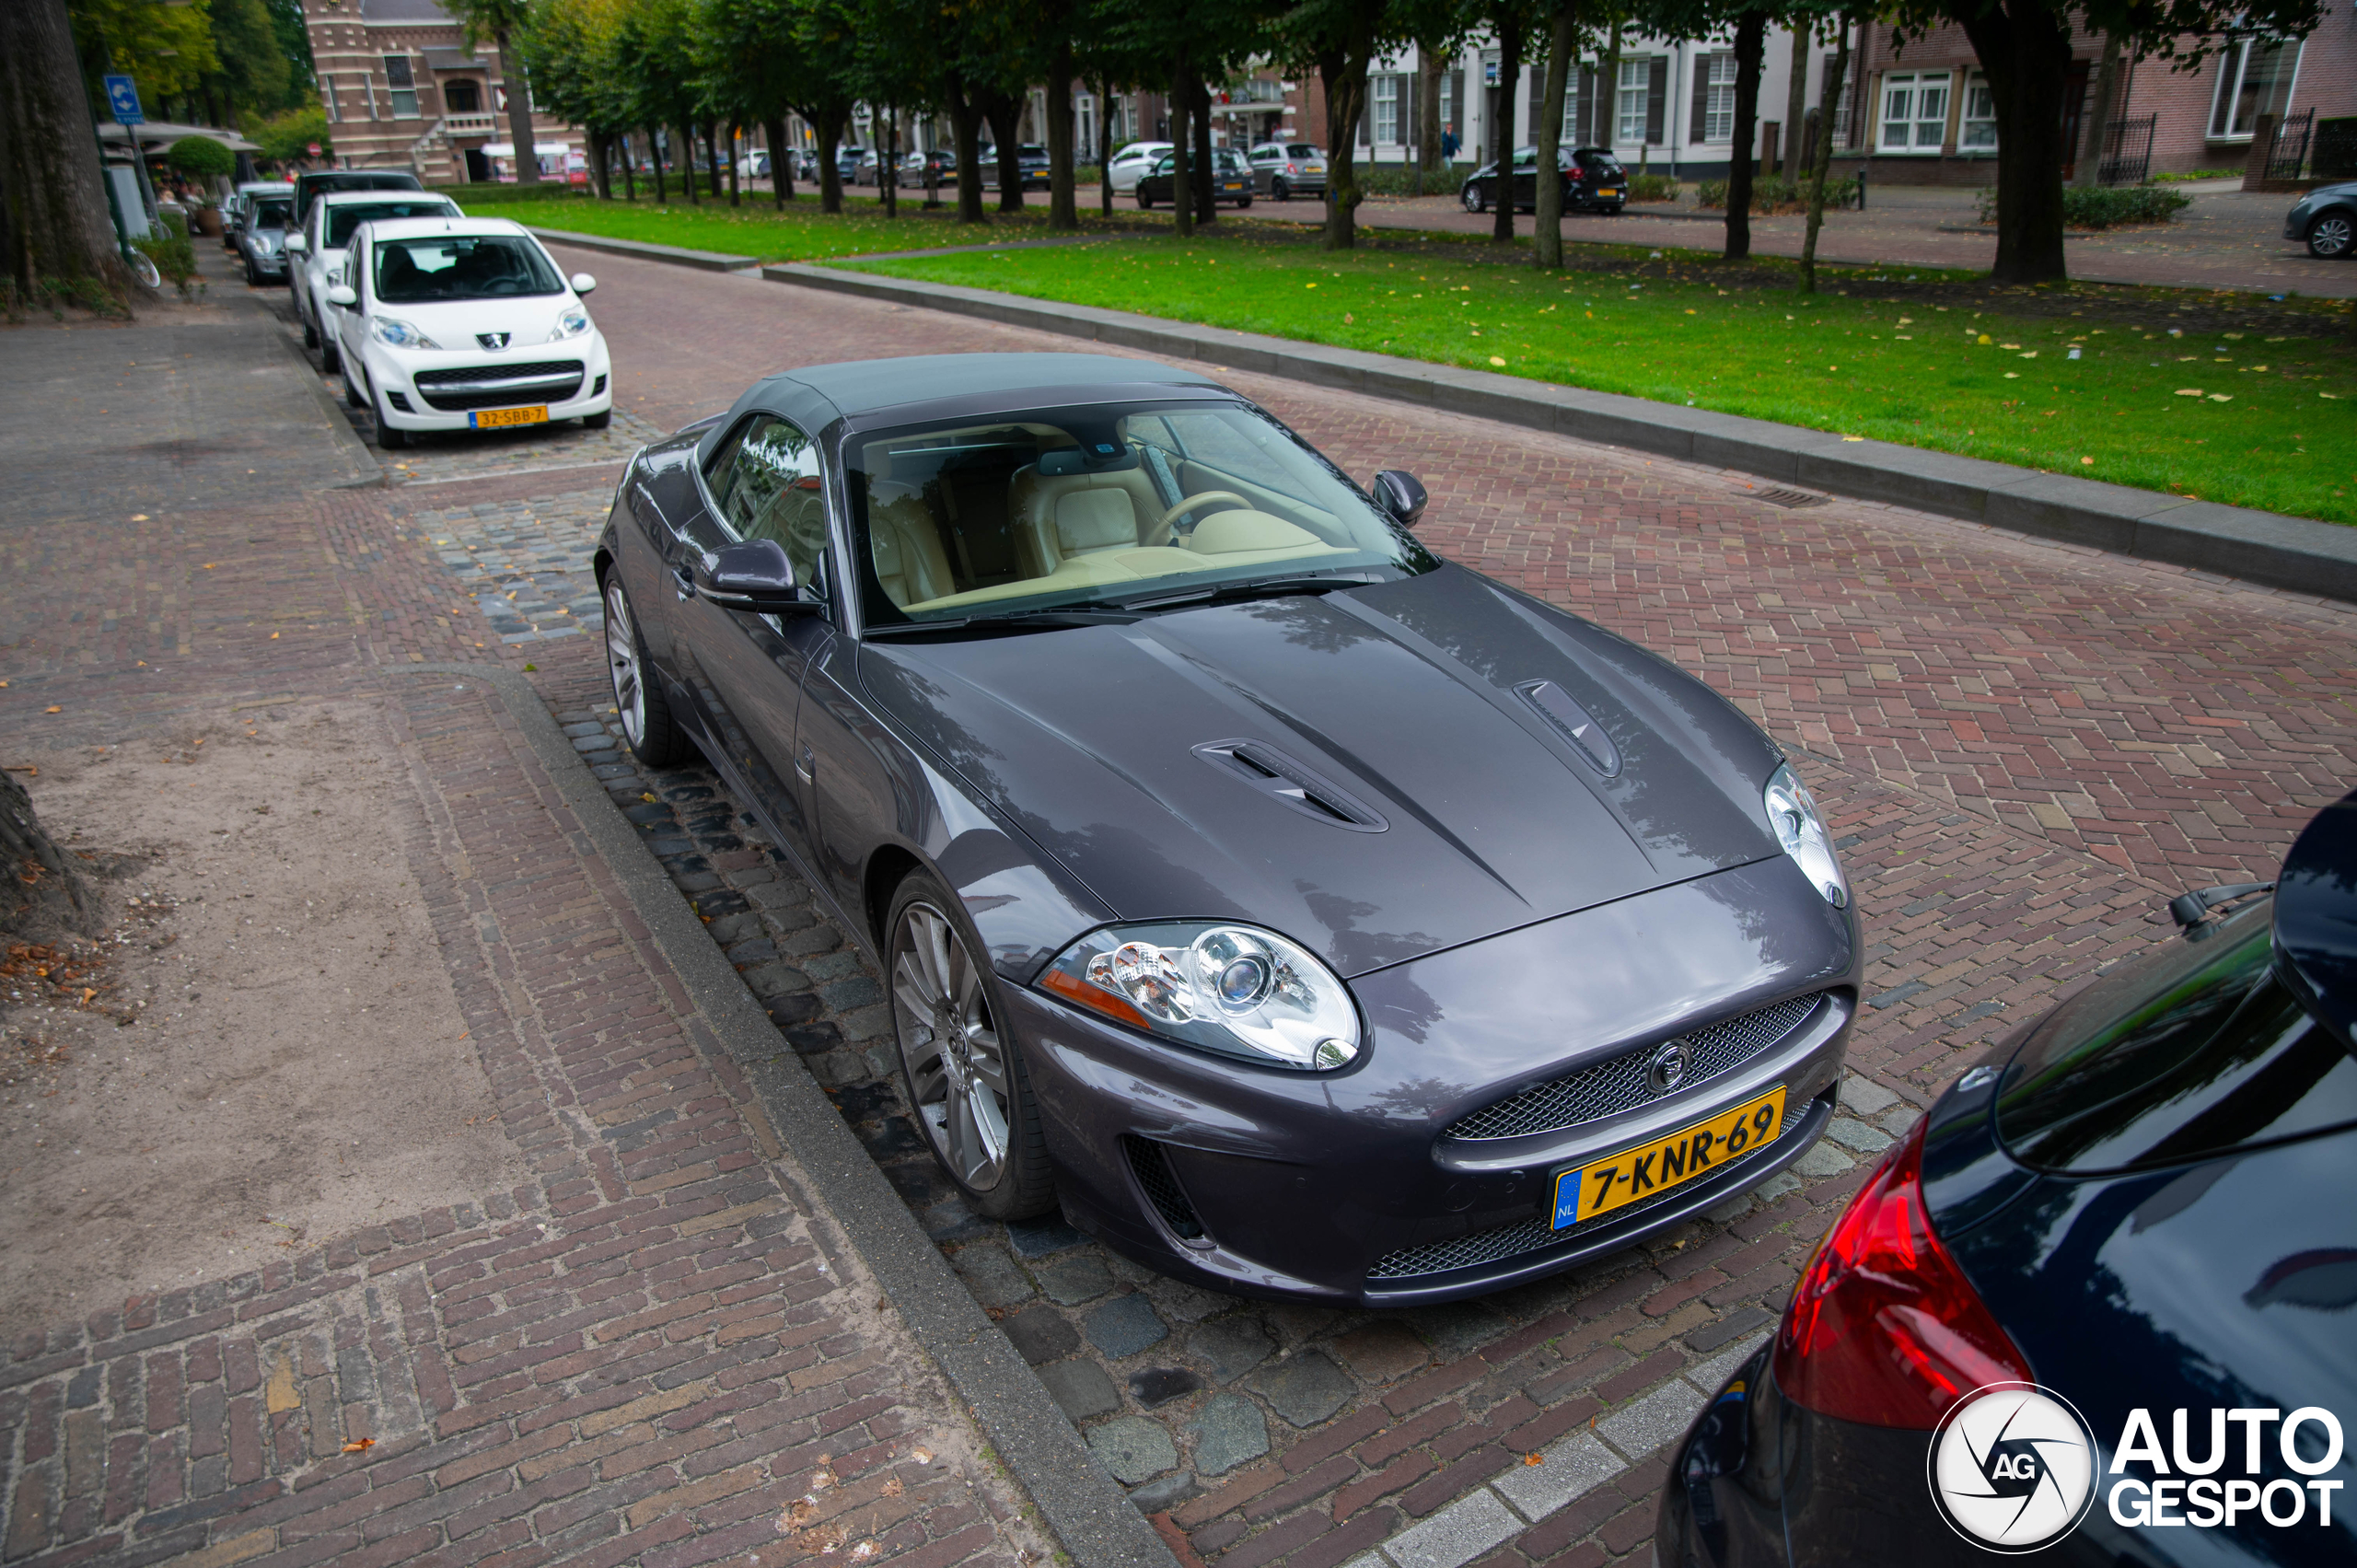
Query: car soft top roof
<point x="411" y="228"/>
<point x="2316" y="917"/>
<point x="816" y="395"/>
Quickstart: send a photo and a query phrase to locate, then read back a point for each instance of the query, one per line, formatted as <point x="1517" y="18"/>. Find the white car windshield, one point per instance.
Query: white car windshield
<point x="1078" y="507"/>
<point x="345" y="216"/>
<point x="461" y="266"/>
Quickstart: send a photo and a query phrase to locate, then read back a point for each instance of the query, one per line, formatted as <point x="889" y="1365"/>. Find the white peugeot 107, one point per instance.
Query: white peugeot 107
<point x="466" y="324"/>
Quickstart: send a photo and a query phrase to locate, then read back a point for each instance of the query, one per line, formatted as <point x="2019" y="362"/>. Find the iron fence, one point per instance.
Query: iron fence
<point x="2127" y="151"/>
<point x="2289" y="152"/>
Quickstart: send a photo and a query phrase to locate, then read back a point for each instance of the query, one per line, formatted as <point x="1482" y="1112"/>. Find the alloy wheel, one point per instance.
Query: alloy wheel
<point x="2331" y="236"/>
<point x="949" y="1044"/>
<point x="621" y="660"/>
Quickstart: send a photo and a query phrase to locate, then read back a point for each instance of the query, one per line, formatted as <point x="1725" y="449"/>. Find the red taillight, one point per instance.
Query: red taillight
<point x="1884" y="1329"/>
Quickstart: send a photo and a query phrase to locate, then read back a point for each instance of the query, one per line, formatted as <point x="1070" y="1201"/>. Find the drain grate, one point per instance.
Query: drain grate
<point x="1787" y="497"/>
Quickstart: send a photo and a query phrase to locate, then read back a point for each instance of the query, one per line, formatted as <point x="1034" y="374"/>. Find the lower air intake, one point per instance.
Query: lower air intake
<point x="1152" y="1167"/>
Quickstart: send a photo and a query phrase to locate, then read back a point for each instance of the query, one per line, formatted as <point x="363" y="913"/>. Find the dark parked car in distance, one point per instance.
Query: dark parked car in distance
<point x="1593" y="181"/>
<point x="2325" y="220"/>
<point x="1030" y="162"/>
<point x="941" y="163"/>
<point x="1231" y="179"/>
<point x="2103" y="1287"/>
<point x="1075" y="686"/>
<point x="309" y="188"/>
<point x="1282" y="170"/>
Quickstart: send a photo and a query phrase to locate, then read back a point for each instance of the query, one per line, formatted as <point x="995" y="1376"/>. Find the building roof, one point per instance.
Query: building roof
<point x="420" y="11"/>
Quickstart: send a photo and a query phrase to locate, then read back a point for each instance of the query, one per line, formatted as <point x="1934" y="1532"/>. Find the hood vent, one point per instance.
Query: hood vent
<point x="1555" y="705"/>
<point x="1290" y="784"/>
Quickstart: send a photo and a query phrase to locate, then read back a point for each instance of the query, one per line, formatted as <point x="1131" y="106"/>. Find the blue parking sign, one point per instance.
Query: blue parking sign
<point x="122" y="97"/>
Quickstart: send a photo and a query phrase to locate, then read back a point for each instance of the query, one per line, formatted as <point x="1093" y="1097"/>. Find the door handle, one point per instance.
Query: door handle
<point x="685" y="584"/>
<point x="805" y="764"/>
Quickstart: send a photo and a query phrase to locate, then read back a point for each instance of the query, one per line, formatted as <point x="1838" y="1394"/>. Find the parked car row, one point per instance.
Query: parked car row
<point x="434" y="321"/>
<point x="1279" y="170"/>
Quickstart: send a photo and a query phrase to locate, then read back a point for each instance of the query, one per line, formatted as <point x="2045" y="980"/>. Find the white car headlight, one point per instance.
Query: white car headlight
<point x="572" y="324"/>
<point x="394" y="333"/>
<point x="1234" y="989"/>
<point x="1799" y="827"/>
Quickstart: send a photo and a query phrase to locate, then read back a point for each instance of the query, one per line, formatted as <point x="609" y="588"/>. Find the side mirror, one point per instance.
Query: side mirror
<point x="341" y="293"/>
<point x="296" y="241"/>
<point x="753" y="574"/>
<point x="582" y="283"/>
<point x="1400" y="493"/>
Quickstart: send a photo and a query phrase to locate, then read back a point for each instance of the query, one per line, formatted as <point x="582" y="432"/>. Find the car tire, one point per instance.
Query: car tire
<point x="310" y="333"/>
<point x="253" y="278"/>
<point x="648" y="728"/>
<point x="1473" y="200"/>
<point x="1242" y="203"/>
<point x="1280" y="192"/>
<point x="597" y="421"/>
<point x="2332" y="235"/>
<point x="352" y="394"/>
<point x="985" y="1135"/>
<point x="1145" y="201"/>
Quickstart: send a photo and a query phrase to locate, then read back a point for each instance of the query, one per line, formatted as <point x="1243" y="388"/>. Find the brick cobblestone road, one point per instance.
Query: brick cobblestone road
<point x="2025" y="747"/>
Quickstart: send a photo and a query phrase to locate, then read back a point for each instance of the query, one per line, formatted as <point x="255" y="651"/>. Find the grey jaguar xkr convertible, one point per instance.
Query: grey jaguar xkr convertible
<point x="1305" y="915"/>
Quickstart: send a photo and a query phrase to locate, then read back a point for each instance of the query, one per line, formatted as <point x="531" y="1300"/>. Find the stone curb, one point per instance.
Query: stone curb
<point x="1089" y="1514"/>
<point x="2294" y="554"/>
<point x="678" y="256"/>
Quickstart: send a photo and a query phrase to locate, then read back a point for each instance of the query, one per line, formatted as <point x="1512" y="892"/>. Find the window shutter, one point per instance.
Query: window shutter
<point x="1698" y="97"/>
<point x="1584" y="118"/>
<point x="1455" y="111"/>
<point x="1656" y="100"/>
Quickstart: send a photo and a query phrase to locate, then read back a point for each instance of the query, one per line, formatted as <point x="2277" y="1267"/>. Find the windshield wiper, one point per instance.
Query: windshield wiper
<point x="1259" y="587"/>
<point x="1012" y="621"/>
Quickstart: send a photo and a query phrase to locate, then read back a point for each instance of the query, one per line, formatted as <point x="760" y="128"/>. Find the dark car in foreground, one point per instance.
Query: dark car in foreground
<point x="1231" y="180"/>
<point x="2099" y="1302"/>
<point x="2325" y="220"/>
<point x="1594" y="181"/>
<point x="1306" y="917"/>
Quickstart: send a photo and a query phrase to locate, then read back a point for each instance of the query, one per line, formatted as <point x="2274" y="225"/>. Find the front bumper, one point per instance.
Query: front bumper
<point x="269" y="266"/>
<point x="1341" y="1187"/>
<point x="441" y="402"/>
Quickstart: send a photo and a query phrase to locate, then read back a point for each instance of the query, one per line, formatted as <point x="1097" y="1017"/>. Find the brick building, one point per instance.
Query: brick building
<point x="403" y="91"/>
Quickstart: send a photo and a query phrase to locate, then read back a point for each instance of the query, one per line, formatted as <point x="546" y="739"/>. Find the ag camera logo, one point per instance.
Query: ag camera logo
<point x="2013" y="1468"/>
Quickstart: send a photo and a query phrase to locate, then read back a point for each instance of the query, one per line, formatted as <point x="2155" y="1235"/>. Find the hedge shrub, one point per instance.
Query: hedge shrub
<point x="2105" y="207"/>
<point x="201" y="158"/>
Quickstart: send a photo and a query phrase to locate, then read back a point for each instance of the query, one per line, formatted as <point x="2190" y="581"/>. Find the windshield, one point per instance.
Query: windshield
<point x="2201" y="1050"/>
<point x="346" y="216"/>
<point x="1081" y="507"/>
<point x="1302" y="149"/>
<point x="273" y="214"/>
<point x="461" y="266"/>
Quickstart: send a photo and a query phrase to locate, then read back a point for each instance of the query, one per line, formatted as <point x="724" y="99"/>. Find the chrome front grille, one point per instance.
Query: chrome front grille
<point x="1536" y="1233"/>
<point x="471" y="373"/>
<point x="1618" y="1084"/>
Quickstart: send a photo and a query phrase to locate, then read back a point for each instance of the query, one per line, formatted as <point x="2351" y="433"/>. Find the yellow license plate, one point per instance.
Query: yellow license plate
<point x="1614" y="191"/>
<point x="1601" y="1185"/>
<point x="492" y="418"/>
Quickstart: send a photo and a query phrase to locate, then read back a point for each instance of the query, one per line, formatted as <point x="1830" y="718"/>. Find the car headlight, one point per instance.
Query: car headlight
<point x="572" y="324"/>
<point x="1234" y="989"/>
<point x="393" y="332"/>
<point x="1799" y="827"/>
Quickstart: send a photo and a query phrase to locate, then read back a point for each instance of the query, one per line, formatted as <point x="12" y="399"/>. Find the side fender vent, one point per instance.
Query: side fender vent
<point x="1290" y="784"/>
<point x="1160" y="1184"/>
<point x="1555" y="705"/>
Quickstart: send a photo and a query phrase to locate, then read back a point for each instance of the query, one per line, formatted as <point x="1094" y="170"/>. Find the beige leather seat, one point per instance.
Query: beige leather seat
<point x="1035" y="501"/>
<point x="905" y="546"/>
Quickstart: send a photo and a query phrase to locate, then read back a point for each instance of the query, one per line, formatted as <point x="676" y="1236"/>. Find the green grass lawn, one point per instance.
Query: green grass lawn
<point x="801" y="233"/>
<point x="2250" y="405"/>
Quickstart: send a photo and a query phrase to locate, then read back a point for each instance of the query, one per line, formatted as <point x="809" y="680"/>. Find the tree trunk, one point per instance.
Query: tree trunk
<point x="1751" y="48"/>
<point x="54" y="212"/>
<point x="2091" y="151"/>
<point x="830" y="126"/>
<point x="630" y="174"/>
<point x="1430" y="56"/>
<point x="1343" y="73"/>
<point x="1506" y="23"/>
<point x="781" y="161"/>
<point x="519" y="112"/>
<point x="888" y="163"/>
<point x="711" y="159"/>
<point x="2025" y="52"/>
<point x="1182" y="148"/>
<point x="966" y="129"/>
<point x="1104" y="91"/>
<point x="655" y="157"/>
<point x="1206" y="203"/>
<point x="1796" y="100"/>
<point x="1064" y="209"/>
<point x="1562" y="43"/>
<point x="40" y="888"/>
<point x="1607" y="88"/>
<point x="1005" y="111"/>
<point x="687" y="163"/>
<point x="1823" y="161"/>
<point x="735" y="168"/>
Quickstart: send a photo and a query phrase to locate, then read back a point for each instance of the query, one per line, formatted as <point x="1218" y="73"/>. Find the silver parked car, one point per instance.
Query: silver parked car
<point x="1282" y="170"/>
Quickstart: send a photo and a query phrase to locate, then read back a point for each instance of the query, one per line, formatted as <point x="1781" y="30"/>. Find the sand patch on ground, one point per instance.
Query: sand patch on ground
<point x="296" y="1067"/>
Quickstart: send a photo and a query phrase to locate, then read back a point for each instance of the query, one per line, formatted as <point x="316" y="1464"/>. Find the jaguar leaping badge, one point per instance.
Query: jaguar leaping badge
<point x="492" y="340"/>
<point x="1667" y="1069"/>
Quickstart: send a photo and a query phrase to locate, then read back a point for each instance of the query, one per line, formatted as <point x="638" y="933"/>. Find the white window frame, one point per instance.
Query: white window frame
<point x="1383" y="112"/>
<point x="1632" y="102"/>
<point x="1714" y="79"/>
<point x="2234" y="68"/>
<point x="1914" y="104"/>
<point x="402" y="99"/>
<point x="1975" y="130"/>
